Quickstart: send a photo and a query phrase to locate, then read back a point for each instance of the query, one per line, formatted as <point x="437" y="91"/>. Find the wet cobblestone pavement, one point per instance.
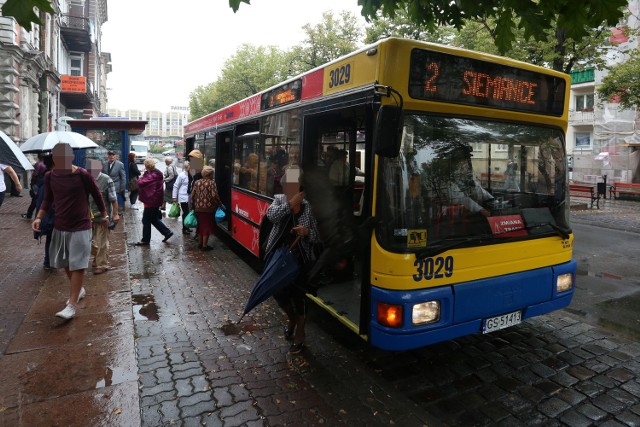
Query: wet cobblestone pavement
<point x="156" y="343"/>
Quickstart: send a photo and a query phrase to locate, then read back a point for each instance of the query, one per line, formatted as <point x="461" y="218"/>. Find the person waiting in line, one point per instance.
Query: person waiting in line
<point x="181" y="194"/>
<point x="100" y="229"/>
<point x="67" y="188"/>
<point x="170" y="175"/>
<point x="151" y="189"/>
<point x="196" y="162"/>
<point x="134" y="174"/>
<point x="292" y="216"/>
<point x="204" y="201"/>
<point x="115" y="169"/>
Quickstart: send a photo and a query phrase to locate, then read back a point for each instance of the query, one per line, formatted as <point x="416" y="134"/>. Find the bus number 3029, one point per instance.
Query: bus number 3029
<point x="340" y="76"/>
<point x="433" y="268"/>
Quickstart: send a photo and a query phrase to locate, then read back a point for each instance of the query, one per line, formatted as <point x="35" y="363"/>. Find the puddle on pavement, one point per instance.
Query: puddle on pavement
<point x="114" y="376"/>
<point x="236" y="329"/>
<point x="621" y="314"/>
<point x="144" y="307"/>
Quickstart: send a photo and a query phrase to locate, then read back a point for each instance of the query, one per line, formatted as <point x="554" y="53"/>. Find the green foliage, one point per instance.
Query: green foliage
<point x="623" y="82"/>
<point x="553" y="50"/>
<point x="332" y="38"/>
<point x="255" y="68"/>
<point x="535" y="18"/>
<point x="22" y="11"/>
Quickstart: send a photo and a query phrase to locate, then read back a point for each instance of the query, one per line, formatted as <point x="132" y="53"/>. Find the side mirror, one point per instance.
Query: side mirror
<point x="388" y="131"/>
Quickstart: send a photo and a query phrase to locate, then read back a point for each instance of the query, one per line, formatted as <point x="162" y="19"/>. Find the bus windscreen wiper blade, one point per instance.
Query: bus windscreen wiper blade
<point x="449" y="244"/>
<point x="562" y="232"/>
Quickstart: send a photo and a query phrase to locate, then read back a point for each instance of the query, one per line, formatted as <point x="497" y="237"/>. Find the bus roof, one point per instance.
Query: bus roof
<point x="319" y="81"/>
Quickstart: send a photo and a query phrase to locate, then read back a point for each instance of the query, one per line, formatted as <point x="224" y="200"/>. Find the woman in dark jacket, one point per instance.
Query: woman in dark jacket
<point x="151" y="187"/>
<point x="134" y="174"/>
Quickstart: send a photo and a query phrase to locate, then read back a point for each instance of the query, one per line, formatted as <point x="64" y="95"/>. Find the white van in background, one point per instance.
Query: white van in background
<point x="141" y="149"/>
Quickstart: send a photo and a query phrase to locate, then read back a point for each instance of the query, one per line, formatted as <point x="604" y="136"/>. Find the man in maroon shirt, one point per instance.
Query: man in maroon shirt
<point x="67" y="188"/>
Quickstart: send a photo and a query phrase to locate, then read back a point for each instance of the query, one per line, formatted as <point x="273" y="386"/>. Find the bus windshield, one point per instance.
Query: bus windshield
<point x="470" y="180"/>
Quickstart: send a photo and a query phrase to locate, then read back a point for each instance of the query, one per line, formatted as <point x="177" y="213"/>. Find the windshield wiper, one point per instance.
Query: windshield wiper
<point x="451" y="243"/>
<point x="562" y="232"/>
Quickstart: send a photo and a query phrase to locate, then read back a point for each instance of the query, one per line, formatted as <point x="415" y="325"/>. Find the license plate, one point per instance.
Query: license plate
<point x="501" y="322"/>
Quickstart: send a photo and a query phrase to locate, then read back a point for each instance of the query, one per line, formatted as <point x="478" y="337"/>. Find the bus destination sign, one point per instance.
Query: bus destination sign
<point x="281" y="95"/>
<point x="437" y="76"/>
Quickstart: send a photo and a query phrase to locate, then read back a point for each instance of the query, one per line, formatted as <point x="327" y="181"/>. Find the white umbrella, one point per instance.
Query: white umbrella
<point x="11" y="155"/>
<point x="46" y="141"/>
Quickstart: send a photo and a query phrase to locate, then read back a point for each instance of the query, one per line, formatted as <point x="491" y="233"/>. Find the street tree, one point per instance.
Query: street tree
<point x="552" y="50"/>
<point x="23" y="11"/>
<point x="623" y="83"/>
<point x="250" y="70"/>
<point x="534" y="17"/>
<point x="333" y="37"/>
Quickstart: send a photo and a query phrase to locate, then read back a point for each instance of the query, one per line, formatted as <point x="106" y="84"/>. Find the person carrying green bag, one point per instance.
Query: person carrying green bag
<point x="191" y="221"/>
<point x="174" y="212"/>
<point x="205" y="201"/>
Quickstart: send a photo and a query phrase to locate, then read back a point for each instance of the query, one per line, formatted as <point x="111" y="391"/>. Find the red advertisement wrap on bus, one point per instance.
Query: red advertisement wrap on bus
<point x="252" y="209"/>
<point x="312" y="85"/>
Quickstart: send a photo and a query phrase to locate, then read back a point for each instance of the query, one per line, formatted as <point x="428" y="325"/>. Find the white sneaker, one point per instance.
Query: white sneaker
<point x="69" y="312"/>
<point x="82" y="295"/>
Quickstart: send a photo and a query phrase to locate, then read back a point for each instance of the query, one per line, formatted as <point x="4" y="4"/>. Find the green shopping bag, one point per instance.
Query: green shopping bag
<point x="174" y="212"/>
<point x="191" y="221"/>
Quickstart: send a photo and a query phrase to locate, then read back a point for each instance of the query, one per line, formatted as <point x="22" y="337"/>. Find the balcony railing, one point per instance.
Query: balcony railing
<point x="581" y="117"/>
<point x="76" y="32"/>
<point x="77" y="22"/>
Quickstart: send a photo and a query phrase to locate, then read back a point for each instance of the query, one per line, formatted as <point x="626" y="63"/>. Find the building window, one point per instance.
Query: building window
<point x="75" y="65"/>
<point x="583" y="140"/>
<point x="584" y="102"/>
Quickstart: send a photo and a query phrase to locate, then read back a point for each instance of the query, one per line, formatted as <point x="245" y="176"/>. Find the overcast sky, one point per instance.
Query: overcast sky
<point x="163" y="49"/>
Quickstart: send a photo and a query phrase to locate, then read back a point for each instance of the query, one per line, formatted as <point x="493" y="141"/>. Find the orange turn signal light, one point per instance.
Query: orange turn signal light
<point x="390" y="315"/>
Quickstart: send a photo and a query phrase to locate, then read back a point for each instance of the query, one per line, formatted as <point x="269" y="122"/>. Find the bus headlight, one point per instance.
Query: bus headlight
<point x="426" y="312"/>
<point x="564" y="282"/>
<point x="390" y="315"/>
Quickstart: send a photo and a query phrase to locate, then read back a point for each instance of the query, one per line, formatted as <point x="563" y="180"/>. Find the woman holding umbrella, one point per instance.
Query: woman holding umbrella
<point x="292" y="218"/>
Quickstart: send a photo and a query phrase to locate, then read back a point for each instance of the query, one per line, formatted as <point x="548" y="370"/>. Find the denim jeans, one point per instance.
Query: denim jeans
<point x="152" y="216"/>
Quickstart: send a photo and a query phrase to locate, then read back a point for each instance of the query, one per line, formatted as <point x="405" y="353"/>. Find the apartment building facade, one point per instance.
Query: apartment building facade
<point x="162" y="128"/>
<point x="603" y="140"/>
<point x="56" y="70"/>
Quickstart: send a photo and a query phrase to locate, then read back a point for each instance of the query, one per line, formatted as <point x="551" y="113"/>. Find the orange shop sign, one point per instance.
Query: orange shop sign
<point x="77" y="84"/>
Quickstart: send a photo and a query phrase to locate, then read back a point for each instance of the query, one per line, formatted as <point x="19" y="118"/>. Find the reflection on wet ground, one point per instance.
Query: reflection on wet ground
<point x="114" y="375"/>
<point x="601" y="275"/>
<point x="144" y="307"/>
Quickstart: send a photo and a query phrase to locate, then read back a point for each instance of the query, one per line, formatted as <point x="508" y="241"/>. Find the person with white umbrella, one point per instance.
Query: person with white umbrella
<point x="67" y="188"/>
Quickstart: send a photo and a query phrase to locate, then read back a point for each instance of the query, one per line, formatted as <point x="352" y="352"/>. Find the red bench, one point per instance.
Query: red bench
<point x="619" y="188"/>
<point x="586" y="191"/>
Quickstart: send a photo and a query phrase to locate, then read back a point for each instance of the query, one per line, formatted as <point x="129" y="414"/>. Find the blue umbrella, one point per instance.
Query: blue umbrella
<point x="281" y="270"/>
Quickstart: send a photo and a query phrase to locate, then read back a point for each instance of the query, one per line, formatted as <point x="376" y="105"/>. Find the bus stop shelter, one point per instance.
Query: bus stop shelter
<point x="109" y="133"/>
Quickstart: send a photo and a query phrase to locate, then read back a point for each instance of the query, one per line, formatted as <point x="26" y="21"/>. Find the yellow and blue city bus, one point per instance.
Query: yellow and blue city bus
<point x="438" y="178"/>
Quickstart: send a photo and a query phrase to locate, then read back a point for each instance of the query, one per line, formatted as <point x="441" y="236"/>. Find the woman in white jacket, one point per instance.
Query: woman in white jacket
<point x="181" y="195"/>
